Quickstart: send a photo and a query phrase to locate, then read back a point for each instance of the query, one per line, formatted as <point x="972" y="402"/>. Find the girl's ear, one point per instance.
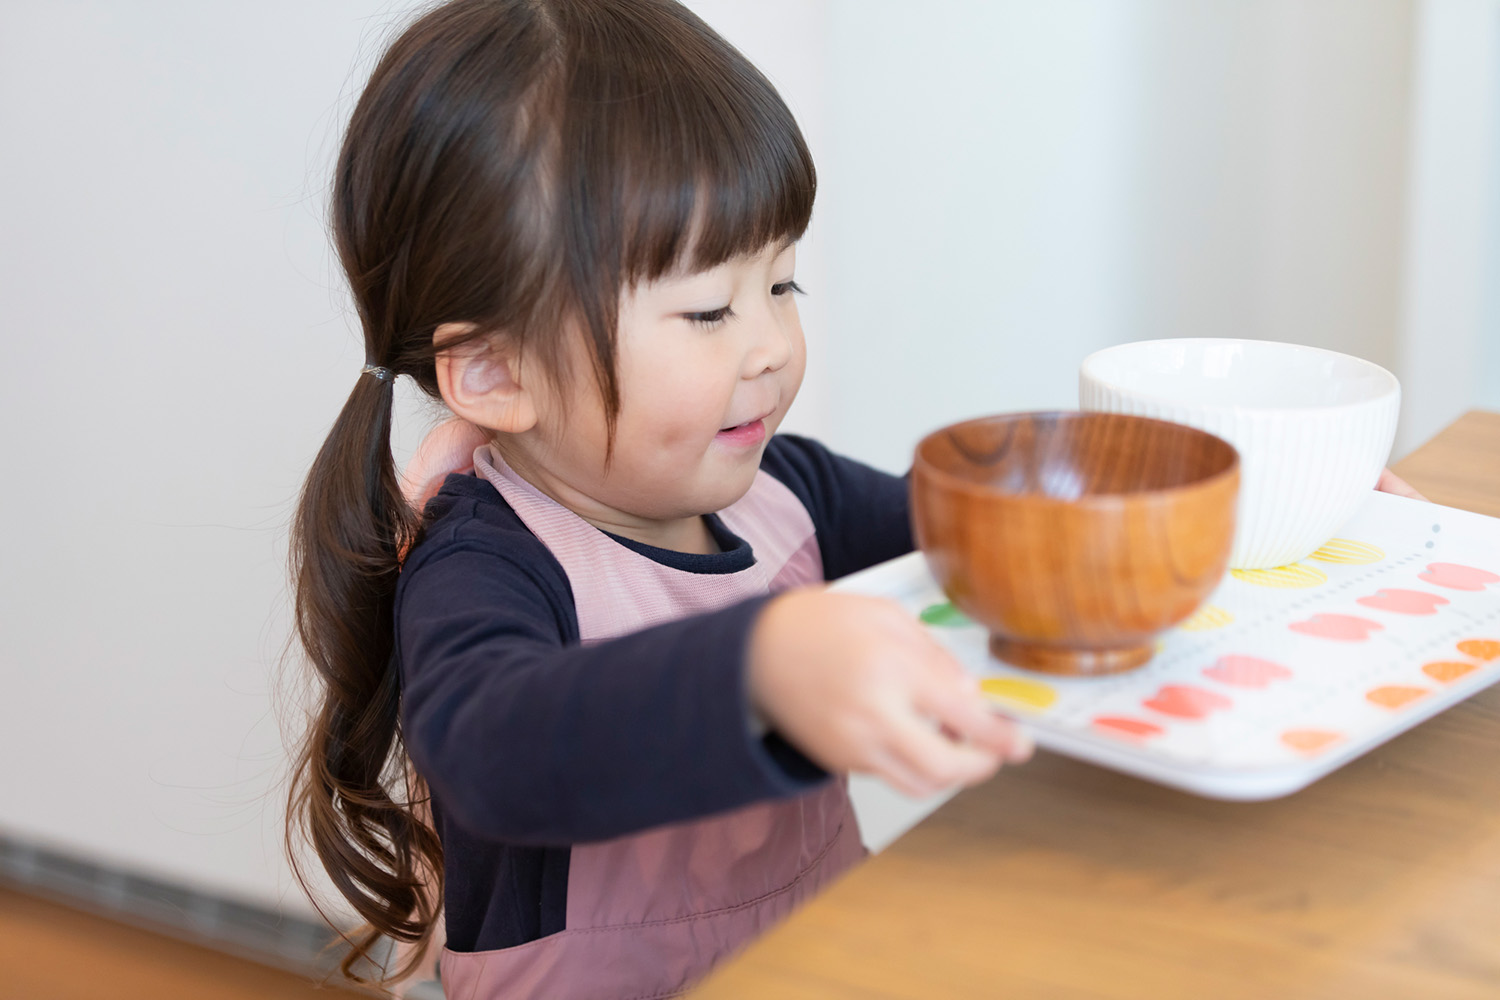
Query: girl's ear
<point x="481" y="383"/>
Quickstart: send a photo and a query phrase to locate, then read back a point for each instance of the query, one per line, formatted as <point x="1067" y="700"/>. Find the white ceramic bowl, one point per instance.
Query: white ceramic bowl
<point x="1313" y="427"/>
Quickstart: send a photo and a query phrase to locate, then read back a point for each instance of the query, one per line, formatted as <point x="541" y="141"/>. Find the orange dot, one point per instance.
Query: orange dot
<point x="1396" y="695"/>
<point x="1481" y="649"/>
<point x="1310" y="741"/>
<point x="1447" y="671"/>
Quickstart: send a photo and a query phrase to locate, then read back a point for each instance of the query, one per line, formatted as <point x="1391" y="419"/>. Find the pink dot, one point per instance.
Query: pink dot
<point x="1457" y="577"/>
<point x="1134" y="728"/>
<point x="1187" y="702"/>
<point x="1246" y="671"/>
<point x="1404" y="602"/>
<point x="1345" y="628"/>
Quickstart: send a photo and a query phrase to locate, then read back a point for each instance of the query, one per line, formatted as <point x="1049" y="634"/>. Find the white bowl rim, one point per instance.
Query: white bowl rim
<point x="1393" y="387"/>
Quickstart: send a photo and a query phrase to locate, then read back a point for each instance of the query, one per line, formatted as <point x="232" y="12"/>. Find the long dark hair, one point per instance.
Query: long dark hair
<point x="511" y="165"/>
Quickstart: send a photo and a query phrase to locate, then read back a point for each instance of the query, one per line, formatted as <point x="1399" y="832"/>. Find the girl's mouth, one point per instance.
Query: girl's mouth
<point x="743" y="435"/>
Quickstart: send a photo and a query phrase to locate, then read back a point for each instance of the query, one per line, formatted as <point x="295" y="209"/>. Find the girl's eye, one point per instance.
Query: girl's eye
<point x="711" y="318"/>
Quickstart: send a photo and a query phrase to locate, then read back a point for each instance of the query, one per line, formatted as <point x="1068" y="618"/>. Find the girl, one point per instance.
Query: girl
<point x="574" y="221"/>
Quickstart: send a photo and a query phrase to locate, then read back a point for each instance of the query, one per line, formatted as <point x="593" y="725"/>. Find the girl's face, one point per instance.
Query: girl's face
<point x="708" y="364"/>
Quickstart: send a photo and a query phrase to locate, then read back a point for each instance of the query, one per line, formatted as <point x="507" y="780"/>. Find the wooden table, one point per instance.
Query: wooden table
<point x="1059" y="879"/>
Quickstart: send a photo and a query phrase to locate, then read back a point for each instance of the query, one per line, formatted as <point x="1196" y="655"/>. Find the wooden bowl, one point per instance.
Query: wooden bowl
<point x="1075" y="537"/>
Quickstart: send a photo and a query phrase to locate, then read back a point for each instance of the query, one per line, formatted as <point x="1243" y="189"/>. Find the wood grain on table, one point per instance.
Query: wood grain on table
<point x="1058" y="879"/>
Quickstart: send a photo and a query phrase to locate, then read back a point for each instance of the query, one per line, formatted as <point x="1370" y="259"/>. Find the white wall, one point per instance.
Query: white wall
<point x="1450" y="350"/>
<point x="174" y="343"/>
<point x="1271" y="172"/>
<point x="974" y="195"/>
<point x="1011" y="185"/>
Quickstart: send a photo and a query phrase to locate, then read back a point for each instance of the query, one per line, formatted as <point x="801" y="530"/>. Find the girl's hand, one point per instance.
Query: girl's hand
<point x="1391" y="483"/>
<point x="857" y="684"/>
<point x="448" y="447"/>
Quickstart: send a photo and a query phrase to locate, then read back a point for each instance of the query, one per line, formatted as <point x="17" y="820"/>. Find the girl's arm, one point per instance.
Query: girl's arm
<point x="526" y="737"/>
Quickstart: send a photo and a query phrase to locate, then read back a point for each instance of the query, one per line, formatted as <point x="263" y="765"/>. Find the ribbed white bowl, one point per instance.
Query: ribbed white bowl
<point x="1313" y="427"/>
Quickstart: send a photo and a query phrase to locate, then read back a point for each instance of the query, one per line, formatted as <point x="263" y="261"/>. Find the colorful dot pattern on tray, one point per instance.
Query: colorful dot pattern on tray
<point x="1284" y="668"/>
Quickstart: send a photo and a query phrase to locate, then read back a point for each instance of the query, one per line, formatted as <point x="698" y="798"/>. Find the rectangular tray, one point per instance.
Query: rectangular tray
<point x="1283" y="675"/>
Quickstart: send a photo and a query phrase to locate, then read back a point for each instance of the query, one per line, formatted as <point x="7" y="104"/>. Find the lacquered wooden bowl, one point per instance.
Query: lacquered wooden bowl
<point x="1075" y="538"/>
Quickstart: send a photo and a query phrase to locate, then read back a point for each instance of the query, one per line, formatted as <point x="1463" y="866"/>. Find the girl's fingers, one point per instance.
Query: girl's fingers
<point x="1021" y="747"/>
<point x="967" y="716"/>
<point x="966" y="713"/>
<point x="894" y="772"/>
<point x="936" y="761"/>
<point x="1391" y="483"/>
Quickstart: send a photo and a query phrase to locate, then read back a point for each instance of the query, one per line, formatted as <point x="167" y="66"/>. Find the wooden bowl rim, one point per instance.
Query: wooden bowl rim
<point x="1100" y="500"/>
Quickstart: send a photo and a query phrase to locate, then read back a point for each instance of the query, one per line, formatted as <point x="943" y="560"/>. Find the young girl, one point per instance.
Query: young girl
<point x="574" y="221"/>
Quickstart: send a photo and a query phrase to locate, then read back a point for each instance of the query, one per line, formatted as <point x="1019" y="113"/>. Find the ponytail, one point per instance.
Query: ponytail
<point x="352" y="525"/>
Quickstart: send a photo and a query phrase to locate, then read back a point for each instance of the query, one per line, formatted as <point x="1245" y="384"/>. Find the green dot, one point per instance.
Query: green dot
<point x="944" y="615"/>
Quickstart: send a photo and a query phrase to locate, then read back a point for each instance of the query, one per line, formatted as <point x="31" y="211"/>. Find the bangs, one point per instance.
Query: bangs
<point x="683" y="154"/>
<point x="726" y="178"/>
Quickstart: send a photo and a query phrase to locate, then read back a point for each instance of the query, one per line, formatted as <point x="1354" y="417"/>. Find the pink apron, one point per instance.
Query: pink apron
<point x="649" y="914"/>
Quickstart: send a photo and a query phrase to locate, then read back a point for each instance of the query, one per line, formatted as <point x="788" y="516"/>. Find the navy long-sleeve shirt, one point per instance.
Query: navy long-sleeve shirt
<point x="530" y="742"/>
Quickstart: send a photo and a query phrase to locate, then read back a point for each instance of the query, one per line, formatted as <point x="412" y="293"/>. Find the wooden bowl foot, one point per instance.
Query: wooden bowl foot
<point x="1069" y="661"/>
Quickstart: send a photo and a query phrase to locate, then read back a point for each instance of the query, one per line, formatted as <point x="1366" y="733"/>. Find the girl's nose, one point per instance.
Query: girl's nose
<point x="771" y="350"/>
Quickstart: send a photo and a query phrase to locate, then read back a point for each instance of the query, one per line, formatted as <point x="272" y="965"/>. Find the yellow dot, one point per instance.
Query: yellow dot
<point x="1210" y="616"/>
<point x="1018" y="691"/>
<point x="1342" y="550"/>
<point x="1295" y="575"/>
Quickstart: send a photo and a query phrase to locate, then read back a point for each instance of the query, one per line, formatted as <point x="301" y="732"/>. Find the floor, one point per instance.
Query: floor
<point x="53" y="952"/>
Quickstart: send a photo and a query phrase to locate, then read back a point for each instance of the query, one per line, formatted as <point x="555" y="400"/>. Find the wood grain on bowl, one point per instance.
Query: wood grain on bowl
<point x="1075" y="537"/>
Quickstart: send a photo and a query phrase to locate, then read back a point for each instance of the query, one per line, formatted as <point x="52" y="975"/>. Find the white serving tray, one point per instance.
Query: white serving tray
<point x="1269" y="686"/>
